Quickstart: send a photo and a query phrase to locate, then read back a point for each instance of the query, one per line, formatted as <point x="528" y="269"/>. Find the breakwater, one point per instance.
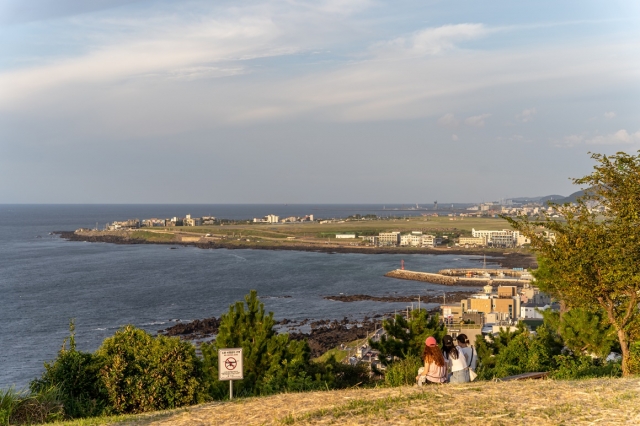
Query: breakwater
<point x="451" y="280"/>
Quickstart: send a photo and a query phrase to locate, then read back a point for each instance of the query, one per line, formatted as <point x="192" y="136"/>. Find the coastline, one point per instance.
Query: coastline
<point x="506" y="260"/>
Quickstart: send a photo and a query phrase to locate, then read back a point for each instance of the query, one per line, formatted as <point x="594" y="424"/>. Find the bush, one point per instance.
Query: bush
<point x="405" y="338"/>
<point x="272" y="362"/>
<point x="75" y="375"/>
<point x="511" y="353"/>
<point x="142" y="373"/>
<point x="584" y="367"/>
<point x="403" y="372"/>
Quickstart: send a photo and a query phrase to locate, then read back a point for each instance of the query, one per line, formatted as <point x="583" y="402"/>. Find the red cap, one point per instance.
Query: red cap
<point x="431" y="341"/>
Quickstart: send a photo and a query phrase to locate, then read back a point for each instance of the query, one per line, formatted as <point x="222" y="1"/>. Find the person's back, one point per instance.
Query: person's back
<point x="435" y="367"/>
<point x="456" y="360"/>
<point x="469" y="352"/>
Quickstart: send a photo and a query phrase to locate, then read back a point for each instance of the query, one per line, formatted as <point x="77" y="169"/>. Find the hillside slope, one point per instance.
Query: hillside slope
<point x="601" y="401"/>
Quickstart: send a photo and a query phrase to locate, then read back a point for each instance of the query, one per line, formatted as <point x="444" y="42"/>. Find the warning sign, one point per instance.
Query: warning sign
<point x="230" y="364"/>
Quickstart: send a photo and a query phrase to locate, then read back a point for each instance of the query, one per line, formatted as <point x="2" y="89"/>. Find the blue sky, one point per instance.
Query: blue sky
<point x="311" y="101"/>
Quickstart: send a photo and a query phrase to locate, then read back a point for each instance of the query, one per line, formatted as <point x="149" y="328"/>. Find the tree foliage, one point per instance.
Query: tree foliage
<point x="592" y="256"/>
<point x="75" y="375"/>
<point x="145" y="373"/>
<point x="272" y="362"/>
<point x="405" y="338"/>
<point x="516" y="352"/>
<point x="584" y="331"/>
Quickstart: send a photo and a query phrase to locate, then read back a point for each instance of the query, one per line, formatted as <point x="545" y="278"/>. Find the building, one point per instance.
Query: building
<point x="191" y="221"/>
<point x="373" y="239"/>
<point x="389" y="238"/>
<point x="346" y="235"/>
<point x="412" y="239"/>
<point x="472" y="241"/>
<point x="504" y="238"/>
<point x="429" y="241"/>
<point x="532" y="310"/>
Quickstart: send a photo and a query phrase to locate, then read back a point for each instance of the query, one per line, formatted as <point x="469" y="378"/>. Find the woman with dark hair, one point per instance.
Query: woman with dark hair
<point x="469" y="351"/>
<point x="435" y="366"/>
<point x="456" y="361"/>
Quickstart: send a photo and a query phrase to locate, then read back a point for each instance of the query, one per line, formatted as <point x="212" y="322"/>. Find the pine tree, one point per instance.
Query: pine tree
<point x="405" y="338"/>
<point x="271" y="361"/>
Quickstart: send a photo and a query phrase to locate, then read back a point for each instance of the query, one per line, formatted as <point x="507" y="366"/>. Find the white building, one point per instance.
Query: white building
<point x="389" y="238"/>
<point x="503" y="238"/>
<point x="345" y="235"/>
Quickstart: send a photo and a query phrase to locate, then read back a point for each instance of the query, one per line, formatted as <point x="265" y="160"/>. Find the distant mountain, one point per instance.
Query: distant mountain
<point x="538" y="199"/>
<point x="557" y="199"/>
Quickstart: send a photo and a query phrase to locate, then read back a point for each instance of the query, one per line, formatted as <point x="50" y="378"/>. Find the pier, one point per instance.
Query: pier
<point x="462" y="278"/>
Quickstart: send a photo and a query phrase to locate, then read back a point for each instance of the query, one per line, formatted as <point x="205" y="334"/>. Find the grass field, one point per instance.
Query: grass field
<point x="538" y="402"/>
<point x="438" y="225"/>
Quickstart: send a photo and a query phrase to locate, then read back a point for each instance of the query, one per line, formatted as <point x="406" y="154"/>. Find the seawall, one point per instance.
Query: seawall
<point x="449" y="280"/>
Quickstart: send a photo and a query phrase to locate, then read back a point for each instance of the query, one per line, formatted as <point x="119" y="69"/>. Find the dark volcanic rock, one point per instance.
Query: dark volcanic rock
<point x="321" y="339"/>
<point x="193" y="330"/>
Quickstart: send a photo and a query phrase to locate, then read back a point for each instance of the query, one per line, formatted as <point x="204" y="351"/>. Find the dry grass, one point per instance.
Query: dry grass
<point x="596" y="401"/>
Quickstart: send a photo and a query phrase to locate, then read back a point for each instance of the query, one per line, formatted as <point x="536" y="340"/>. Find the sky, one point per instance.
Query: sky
<point x="323" y="101"/>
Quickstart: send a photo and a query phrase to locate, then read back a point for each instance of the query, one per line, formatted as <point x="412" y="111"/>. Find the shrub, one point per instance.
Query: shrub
<point x="511" y="353"/>
<point x="75" y="375"/>
<point x="405" y="338"/>
<point x="403" y="372"/>
<point x="272" y="362"/>
<point x="142" y="373"/>
<point x="584" y="367"/>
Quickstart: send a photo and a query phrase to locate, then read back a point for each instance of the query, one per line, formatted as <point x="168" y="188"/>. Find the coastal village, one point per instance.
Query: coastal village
<point x="507" y="296"/>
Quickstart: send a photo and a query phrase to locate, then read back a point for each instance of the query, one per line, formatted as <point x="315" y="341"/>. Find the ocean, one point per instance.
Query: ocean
<point x="45" y="281"/>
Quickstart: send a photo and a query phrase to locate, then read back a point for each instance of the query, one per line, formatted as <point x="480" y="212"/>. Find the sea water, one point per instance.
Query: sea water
<point x="45" y="281"/>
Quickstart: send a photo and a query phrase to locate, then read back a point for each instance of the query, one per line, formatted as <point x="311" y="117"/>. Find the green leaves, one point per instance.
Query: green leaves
<point x="405" y="338"/>
<point x="145" y="373"/>
<point x="594" y="259"/>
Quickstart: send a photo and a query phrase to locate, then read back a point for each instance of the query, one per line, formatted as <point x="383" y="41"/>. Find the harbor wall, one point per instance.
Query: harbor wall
<point x="451" y="280"/>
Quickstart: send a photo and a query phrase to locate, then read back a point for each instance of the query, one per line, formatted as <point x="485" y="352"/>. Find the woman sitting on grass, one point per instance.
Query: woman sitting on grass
<point x="435" y="367"/>
<point x="456" y="361"/>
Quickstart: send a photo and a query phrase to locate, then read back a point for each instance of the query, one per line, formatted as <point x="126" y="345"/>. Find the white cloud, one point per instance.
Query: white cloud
<point x="610" y="114"/>
<point x="621" y="137"/>
<point x="526" y="115"/>
<point x="432" y="41"/>
<point x="454" y="137"/>
<point x="448" y="120"/>
<point x="477" y="120"/>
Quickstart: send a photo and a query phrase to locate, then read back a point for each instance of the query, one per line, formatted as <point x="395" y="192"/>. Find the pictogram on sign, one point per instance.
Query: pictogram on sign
<point x="230" y="364"/>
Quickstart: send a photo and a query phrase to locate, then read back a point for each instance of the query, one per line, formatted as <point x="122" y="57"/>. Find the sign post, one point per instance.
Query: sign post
<point x="230" y="366"/>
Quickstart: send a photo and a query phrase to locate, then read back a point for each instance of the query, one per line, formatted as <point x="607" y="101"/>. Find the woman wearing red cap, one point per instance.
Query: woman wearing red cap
<point x="435" y="368"/>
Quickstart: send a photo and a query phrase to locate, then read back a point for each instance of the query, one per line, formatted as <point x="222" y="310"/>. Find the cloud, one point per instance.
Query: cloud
<point x="432" y="41"/>
<point x="610" y="114"/>
<point x="621" y="137"/>
<point x="476" y="120"/>
<point x="526" y="115"/>
<point x="448" y="120"/>
<point x="454" y="137"/>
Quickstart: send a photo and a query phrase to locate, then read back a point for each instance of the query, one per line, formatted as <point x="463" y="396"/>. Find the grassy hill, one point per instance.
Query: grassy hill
<point x="545" y="402"/>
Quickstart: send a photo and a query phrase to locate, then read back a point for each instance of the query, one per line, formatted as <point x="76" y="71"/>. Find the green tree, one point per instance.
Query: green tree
<point x="75" y="375"/>
<point x="593" y="254"/>
<point x="405" y="338"/>
<point x="518" y="352"/>
<point x="583" y="331"/>
<point x="272" y="362"/>
<point x="145" y="373"/>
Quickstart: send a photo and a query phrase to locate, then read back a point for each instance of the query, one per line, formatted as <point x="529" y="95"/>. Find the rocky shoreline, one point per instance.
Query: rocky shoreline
<point x="324" y="335"/>
<point x="505" y="260"/>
